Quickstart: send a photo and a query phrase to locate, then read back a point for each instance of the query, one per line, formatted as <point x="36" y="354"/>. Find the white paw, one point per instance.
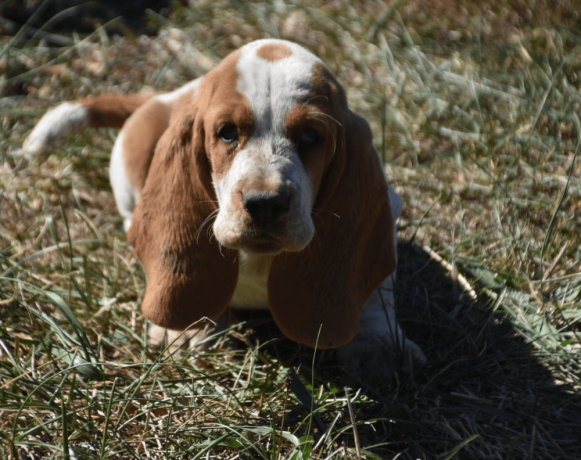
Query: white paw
<point x="374" y="362"/>
<point x="193" y="339"/>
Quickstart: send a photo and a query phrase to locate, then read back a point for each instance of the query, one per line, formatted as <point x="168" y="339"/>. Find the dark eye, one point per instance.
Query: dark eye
<point x="228" y="133"/>
<point x="308" y="138"/>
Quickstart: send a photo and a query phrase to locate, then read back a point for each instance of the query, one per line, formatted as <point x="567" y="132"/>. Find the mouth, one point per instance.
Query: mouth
<point x="263" y="244"/>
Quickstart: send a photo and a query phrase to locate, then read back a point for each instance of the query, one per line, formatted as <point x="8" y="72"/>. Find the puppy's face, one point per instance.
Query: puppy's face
<point x="270" y="133"/>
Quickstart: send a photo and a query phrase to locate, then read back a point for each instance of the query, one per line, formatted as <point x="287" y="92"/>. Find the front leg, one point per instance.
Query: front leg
<point x="375" y="353"/>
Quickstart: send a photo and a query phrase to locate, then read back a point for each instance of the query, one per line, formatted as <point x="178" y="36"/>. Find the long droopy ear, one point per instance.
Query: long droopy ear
<point x="188" y="275"/>
<point x="316" y="295"/>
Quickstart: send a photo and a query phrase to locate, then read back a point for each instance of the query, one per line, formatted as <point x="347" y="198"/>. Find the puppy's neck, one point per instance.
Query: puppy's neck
<point x="252" y="263"/>
<point x="252" y="291"/>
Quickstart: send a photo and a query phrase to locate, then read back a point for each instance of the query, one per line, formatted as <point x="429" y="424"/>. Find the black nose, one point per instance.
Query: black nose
<point x="265" y="207"/>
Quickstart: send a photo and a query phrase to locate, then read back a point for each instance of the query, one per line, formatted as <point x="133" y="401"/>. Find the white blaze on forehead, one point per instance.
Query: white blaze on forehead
<point x="273" y="87"/>
<point x="274" y="76"/>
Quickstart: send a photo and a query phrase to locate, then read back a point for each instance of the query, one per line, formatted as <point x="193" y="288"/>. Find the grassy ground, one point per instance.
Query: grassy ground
<point x="475" y="111"/>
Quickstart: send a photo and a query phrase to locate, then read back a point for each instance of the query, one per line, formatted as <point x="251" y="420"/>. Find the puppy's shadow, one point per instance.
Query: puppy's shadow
<point x="481" y="379"/>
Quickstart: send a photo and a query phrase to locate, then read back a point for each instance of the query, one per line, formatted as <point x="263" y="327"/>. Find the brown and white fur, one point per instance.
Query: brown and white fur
<point x="255" y="186"/>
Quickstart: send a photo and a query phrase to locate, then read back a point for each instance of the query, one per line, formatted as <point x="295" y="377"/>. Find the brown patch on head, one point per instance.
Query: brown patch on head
<point x="323" y="112"/>
<point x="274" y="52"/>
<point x="316" y="158"/>
<point x="228" y="107"/>
<point x="323" y="83"/>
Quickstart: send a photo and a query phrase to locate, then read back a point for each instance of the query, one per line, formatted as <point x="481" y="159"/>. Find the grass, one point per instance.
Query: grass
<point x="474" y="108"/>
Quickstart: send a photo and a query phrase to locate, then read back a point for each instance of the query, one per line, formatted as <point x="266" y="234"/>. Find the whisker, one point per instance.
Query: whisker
<point x="322" y="121"/>
<point x="211" y="216"/>
<point x="317" y="114"/>
<point x="324" y="210"/>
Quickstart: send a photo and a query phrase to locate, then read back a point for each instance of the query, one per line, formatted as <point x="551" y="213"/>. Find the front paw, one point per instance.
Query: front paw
<point x="194" y="339"/>
<point x="375" y="362"/>
<point x="209" y="334"/>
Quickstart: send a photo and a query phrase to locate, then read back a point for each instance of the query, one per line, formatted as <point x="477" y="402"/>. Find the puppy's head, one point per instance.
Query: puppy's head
<point x="264" y="157"/>
<point x="271" y="128"/>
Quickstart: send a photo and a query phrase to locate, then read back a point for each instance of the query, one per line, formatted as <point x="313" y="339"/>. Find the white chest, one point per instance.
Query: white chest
<point x="251" y="291"/>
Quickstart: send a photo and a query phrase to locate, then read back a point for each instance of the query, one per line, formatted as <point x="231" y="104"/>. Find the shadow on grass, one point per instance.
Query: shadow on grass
<point x="482" y="382"/>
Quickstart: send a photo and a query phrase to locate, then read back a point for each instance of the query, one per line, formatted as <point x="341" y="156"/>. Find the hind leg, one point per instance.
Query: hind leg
<point x="374" y="354"/>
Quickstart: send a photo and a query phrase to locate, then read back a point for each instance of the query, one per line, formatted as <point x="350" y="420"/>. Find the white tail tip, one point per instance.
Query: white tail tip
<point x="67" y="117"/>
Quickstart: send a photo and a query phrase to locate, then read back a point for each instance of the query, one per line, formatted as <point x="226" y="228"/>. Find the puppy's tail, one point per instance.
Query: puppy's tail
<point x="109" y="111"/>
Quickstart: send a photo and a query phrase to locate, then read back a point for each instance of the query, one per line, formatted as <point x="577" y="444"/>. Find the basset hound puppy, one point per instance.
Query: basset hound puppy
<point x="255" y="186"/>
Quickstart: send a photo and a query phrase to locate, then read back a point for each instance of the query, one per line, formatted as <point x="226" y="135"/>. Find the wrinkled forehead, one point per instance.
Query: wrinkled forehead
<point x="274" y="76"/>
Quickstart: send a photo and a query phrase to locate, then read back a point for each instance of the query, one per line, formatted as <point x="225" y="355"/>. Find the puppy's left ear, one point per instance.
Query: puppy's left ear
<point x="316" y="295"/>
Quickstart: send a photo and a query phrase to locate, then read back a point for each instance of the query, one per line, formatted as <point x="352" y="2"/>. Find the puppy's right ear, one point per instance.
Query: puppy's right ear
<point x="188" y="275"/>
